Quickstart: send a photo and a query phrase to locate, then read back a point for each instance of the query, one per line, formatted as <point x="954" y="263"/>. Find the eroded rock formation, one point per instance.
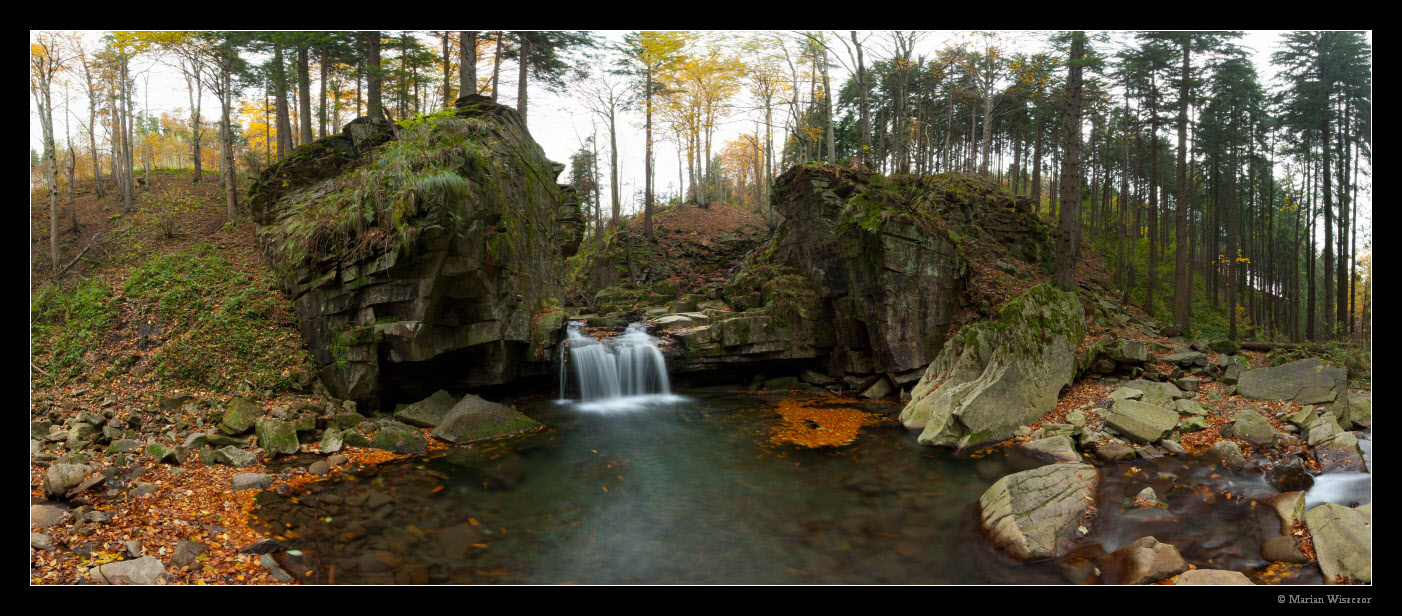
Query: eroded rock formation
<point x="423" y="256"/>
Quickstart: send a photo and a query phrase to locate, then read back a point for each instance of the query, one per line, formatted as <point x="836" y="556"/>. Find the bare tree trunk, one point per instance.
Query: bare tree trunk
<point x="304" y="95"/>
<point x="467" y="62"/>
<point x="372" y="88"/>
<point x="1070" y="210"/>
<point x="496" y="67"/>
<point x="524" y="54"/>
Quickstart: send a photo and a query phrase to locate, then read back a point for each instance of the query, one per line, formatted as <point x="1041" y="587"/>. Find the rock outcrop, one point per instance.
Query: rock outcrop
<point x="862" y="276"/>
<point x="998" y="375"/>
<point x="421" y="257"/>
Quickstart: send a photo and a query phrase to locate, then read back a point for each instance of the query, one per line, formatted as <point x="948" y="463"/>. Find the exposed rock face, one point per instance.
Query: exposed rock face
<point x="863" y="274"/>
<point x="417" y="258"/>
<point x="1038" y="513"/>
<point x="998" y="375"/>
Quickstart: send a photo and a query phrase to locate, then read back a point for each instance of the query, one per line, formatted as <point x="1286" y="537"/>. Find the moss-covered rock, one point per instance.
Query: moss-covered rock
<point x="1000" y="374"/>
<point x="413" y="252"/>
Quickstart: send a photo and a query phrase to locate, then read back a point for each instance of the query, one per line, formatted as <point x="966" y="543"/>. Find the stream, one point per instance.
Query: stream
<point x="690" y="490"/>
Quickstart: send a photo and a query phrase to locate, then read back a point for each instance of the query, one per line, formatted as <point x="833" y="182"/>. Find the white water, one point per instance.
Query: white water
<point x="621" y="373"/>
<point x="1345" y="488"/>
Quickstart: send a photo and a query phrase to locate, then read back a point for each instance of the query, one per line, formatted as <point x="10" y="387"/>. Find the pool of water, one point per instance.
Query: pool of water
<point x="690" y="490"/>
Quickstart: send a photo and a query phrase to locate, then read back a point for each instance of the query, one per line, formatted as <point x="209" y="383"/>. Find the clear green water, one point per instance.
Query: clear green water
<point x="689" y="492"/>
<point x="693" y="492"/>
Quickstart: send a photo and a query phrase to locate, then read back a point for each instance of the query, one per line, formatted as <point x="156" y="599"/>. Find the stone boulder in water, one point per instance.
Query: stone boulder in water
<point x="417" y="257"/>
<point x="474" y="419"/>
<point x="995" y="376"/>
<point x="1039" y="513"/>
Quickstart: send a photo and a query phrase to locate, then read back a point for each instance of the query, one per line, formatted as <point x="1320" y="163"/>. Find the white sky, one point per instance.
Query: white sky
<point x="558" y="122"/>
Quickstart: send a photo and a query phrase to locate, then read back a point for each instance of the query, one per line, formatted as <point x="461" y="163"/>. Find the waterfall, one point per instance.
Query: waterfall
<point x="626" y="366"/>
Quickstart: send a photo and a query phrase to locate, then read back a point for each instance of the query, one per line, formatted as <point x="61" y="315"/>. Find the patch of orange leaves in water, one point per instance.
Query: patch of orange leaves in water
<point x="807" y="426"/>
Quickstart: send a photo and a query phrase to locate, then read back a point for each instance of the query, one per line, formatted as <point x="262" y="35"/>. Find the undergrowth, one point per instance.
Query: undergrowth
<point x="228" y="331"/>
<point x="66" y="323"/>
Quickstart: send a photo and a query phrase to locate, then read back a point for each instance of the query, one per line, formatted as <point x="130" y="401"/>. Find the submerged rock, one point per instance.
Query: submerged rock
<point x="1039" y="513"/>
<point x="997" y="375"/>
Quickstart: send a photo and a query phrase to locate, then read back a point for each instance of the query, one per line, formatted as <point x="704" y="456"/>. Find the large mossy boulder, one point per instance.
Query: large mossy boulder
<point x="997" y="375"/>
<point x="474" y="419"/>
<point x="1039" y="513"/>
<point x="418" y="255"/>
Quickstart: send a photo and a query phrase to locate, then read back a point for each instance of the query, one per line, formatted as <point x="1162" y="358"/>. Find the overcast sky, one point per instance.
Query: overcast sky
<point x="559" y="123"/>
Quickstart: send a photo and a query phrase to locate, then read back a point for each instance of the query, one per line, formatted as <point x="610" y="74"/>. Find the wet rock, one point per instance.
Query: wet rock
<point x="319" y="468"/>
<point x="1212" y="577"/>
<point x="1291" y="476"/>
<point x="331" y="441"/>
<point x="1115" y="452"/>
<point x="266" y="546"/>
<point x="1037" y="513"/>
<point x="1228" y="454"/>
<point x="1339" y="453"/>
<point x="1361" y="410"/>
<point x="1284" y="549"/>
<point x="1343" y="541"/>
<point x="1143" y="562"/>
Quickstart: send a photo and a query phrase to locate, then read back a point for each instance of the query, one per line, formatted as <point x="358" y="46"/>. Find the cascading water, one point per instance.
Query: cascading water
<point x="619" y="371"/>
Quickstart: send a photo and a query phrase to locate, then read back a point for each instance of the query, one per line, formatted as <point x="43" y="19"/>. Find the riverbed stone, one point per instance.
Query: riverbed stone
<point x="1126" y="393"/>
<point x="1037" y="513"/>
<point x="276" y="436"/>
<point x="1253" y="427"/>
<point x="48" y="515"/>
<point x="1361" y="410"/>
<point x="399" y="438"/>
<point x="1285" y="549"/>
<point x="59" y="479"/>
<point x="429" y="412"/>
<point x="474" y="419"/>
<point x="1343" y="542"/>
<point x="1339" y="453"/>
<point x="250" y="481"/>
<point x="1051" y="449"/>
<point x="141" y="571"/>
<point x="1307" y="381"/>
<point x="1143" y="562"/>
<point x="240" y="415"/>
<point x="1228" y="453"/>
<point x="1156" y="392"/>
<point x="1140" y="421"/>
<point x="1212" y="577"/>
<point x="235" y="457"/>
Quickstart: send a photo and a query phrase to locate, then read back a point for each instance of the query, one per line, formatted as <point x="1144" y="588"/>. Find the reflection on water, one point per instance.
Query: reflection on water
<point x="690" y="490"/>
